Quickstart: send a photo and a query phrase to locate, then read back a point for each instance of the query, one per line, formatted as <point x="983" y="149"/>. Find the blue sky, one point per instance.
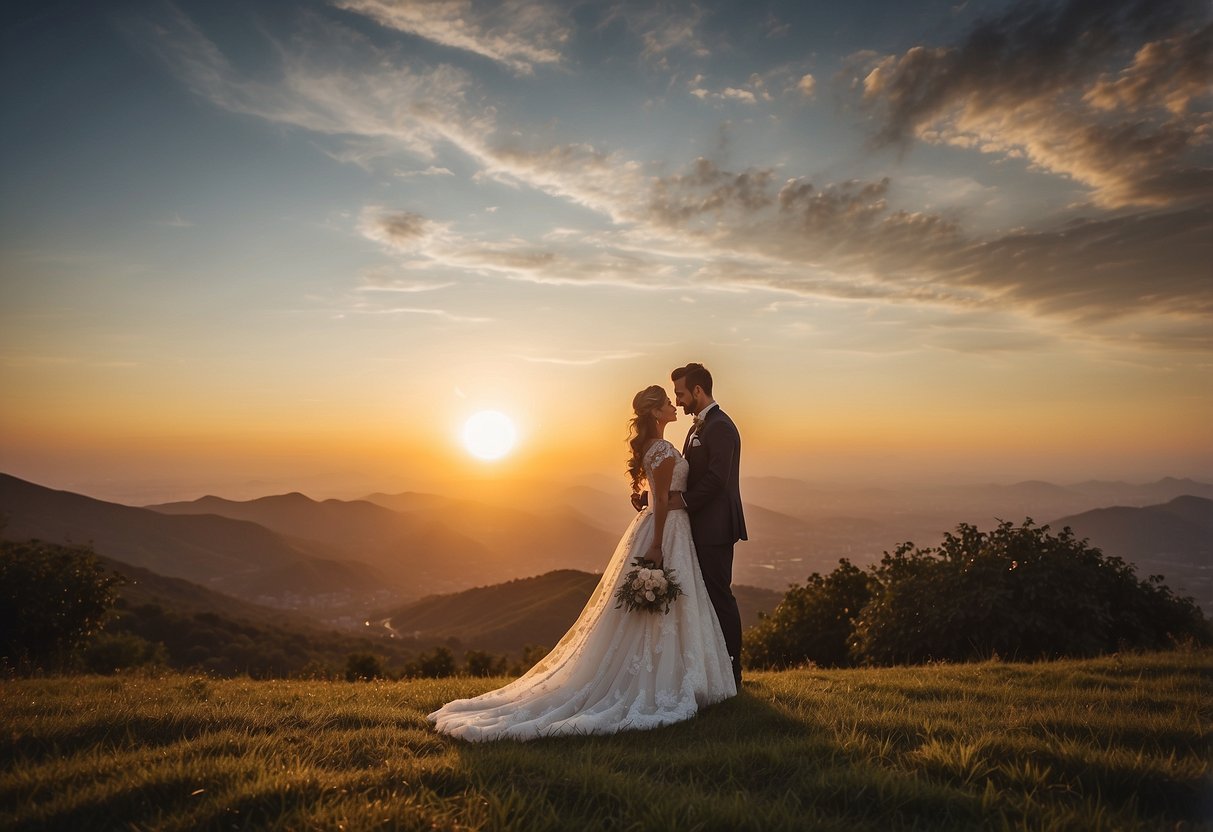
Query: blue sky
<point x="949" y="239"/>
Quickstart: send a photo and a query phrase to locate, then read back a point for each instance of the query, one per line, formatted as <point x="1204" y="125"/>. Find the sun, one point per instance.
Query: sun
<point x="489" y="434"/>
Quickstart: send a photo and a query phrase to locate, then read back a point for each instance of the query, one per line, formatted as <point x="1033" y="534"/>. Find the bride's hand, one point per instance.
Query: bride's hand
<point x="654" y="554"/>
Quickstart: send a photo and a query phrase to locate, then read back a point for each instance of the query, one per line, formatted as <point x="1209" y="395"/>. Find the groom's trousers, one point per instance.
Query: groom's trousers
<point x="716" y="565"/>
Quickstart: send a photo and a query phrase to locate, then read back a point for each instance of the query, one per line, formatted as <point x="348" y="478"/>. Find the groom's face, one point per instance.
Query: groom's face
<point x="686" y="399"/>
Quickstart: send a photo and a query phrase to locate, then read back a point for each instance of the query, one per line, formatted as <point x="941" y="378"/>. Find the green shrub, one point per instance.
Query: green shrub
<point x="52" y="598"/>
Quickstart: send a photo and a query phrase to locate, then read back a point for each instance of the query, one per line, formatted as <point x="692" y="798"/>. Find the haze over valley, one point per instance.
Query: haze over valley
<point x="340" y="561"/>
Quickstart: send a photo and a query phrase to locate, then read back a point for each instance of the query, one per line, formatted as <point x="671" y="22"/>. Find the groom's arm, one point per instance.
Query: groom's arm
<point x="721" y="449"/>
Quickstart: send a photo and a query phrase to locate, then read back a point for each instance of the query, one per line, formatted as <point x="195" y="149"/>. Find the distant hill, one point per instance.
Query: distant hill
<point x="1174" y="539"/>
<point x="206" y="630"/>
<point x="964" y="500"/>
<point x="506" y="617"/>
<point x="232" y="556"/>
<point x="425" y="543"/>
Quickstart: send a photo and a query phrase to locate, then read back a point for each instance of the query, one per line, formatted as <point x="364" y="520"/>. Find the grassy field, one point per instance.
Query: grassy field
<point x="1117" y="743"/>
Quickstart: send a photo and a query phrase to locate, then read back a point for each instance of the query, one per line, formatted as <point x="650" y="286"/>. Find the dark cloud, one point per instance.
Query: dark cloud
<point x="707" y="190"/>
<point x="845" y="240"/>
<point x="403" y="227"/>
<point x="1114" y="95"/>
<point x="1095" y="270"/>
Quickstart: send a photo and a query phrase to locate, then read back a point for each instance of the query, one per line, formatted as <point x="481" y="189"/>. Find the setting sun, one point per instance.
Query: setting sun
<point x="489" y="434"/>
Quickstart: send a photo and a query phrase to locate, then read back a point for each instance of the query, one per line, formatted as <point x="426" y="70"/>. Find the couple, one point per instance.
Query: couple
<point x="617" y="670"/>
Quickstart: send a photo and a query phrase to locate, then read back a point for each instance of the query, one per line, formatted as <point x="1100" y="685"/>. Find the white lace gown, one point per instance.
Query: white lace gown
<point x="616" y="670"/>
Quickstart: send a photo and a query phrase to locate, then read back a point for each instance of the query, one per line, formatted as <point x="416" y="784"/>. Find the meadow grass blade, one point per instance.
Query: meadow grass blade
<point x="1114" y="743"/>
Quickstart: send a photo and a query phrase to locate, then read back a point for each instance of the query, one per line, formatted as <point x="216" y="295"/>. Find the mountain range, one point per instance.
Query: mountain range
<point x="507" y="617"/>
<point x="340" y="559"/>
<point x="1174" y="539"/>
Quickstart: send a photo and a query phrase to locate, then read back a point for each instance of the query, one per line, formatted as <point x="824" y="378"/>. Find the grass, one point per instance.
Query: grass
<point x="1118" y="743"/>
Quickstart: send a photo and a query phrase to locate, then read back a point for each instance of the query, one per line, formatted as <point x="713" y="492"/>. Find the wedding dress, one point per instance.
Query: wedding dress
<point x="616" y="670"/>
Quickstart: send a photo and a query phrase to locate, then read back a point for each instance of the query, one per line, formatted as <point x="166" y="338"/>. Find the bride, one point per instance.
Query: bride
<point x="616" y="670"/>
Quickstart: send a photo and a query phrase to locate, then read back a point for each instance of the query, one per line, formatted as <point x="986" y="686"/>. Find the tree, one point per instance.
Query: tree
<point x="362" y="667"/>
<point x="481" y="663"/>
<point x="1015" y="592"/>
<point x="109" y="652"/>
<point x="1018" y="592"/>
<point x="813" y="622"/>
<point x="52" y="598"/>
<point x="436" y="665"/>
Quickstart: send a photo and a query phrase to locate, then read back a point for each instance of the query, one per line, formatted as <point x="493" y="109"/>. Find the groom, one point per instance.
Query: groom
<point x="713" y="497"/>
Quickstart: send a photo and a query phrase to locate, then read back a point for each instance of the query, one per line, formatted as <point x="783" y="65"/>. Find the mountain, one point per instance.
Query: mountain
<point x="232" y="556"/>
<point x="425" y="543"/>
<point x="1174" y="539"/>
<point x="200" y="629"/>
<point x="972" y="501"/>
<point x="506" y="617"/>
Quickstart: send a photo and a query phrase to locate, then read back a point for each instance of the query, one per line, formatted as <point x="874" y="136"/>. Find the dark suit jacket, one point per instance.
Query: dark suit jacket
<point x="713" y="494"/>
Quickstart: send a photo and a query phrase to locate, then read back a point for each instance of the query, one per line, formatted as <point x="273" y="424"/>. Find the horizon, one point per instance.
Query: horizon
<point x="143" y="493"/>
<point x="302" y="244"/>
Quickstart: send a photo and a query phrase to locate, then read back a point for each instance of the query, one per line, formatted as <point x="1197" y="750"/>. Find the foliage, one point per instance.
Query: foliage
<point x="362" y="667"/>
<point x="1012" y="592"/>
<point x="52" y="598"/>
<point x="813" y="623"/>
<point x="111" y="652"/>
<point x="480" y="663"/>
<point x="223" y="646"/>
<point x="1112" y="743"/>
<point x="435" y="665"/>
<point x="1016" y="592"/>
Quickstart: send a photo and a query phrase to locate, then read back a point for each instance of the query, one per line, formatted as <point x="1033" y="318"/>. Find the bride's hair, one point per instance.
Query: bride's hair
<point x="642" y="428"/>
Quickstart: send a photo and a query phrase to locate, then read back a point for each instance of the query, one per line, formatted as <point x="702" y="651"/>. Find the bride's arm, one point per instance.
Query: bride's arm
<point x="659" y="496"/>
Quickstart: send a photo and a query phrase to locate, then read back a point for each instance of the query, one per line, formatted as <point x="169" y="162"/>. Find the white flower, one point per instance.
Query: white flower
<point x="637" y="583"/>
<point x="648" y="593"/>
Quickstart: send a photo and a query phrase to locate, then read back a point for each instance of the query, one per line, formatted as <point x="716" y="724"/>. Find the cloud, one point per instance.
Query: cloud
<point x="1042" y="82"/>
<point x="707" y="226"/>
<point x="846" y="240"/>
<point x="402" y="230"/>
<point x="807" y="85"/>
<point x="432" y="170"/>
<point x="1099" y="269"/>
<point x="705" y="189"/>
<point x="518" y="34"/>
<point x="584" y="359"/>
<point x="413" y="310"/>
<point x="175" y="221"/>
<point x="370" y="113"/>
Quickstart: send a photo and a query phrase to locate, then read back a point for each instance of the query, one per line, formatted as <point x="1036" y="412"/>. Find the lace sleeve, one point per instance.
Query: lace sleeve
<point x="659" y="453"/>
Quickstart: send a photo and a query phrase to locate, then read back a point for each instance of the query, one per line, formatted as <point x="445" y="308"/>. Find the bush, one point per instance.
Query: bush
<point x="812" y="624"/>
<point x="1013" y="592"/>
<point x="436" y="665"/>
<point x="480" y="663"/>
<point x="52" y="598"/>
<point x="360" y="667"/>
<point x="111" y="652"/>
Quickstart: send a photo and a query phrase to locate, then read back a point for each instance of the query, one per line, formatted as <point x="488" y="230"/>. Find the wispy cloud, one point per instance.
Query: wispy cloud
<point x="582" y="358"/>
<point x="416" y="310"/>
<point x="707" y="226"/>
<point x="175" y="221"/>
<point x="1041" y="82"/>
<point x="432" y="170"/>
<point x="518" y="34"/>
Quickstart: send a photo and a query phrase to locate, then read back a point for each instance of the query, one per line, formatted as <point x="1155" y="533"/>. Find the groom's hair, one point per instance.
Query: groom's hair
<point x="696" y="375"/>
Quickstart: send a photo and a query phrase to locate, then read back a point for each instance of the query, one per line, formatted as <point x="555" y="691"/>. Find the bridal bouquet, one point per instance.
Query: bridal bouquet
<point x="648" y="587"/>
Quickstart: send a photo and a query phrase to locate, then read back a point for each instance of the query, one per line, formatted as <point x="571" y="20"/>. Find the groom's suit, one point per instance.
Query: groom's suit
<point x="713" y="500"/>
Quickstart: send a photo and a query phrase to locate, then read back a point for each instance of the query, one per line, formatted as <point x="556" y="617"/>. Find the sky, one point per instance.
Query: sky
<point x="249" y="247"/>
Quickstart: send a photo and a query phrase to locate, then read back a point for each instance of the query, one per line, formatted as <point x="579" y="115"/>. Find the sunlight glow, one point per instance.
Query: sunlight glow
<point x="489" y="434"/>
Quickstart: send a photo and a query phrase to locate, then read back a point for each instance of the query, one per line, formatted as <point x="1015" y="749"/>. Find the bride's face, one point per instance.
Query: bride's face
<point x="666" y="413"/>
